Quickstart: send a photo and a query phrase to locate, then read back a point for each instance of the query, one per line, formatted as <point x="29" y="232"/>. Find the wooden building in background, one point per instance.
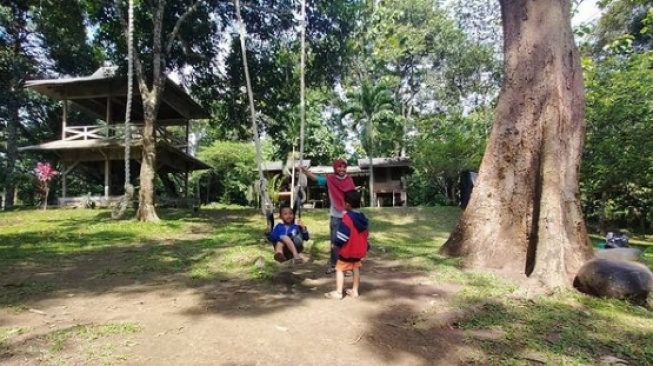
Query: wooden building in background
<point x="96" y="147"/>
<point x="390" y="175"/>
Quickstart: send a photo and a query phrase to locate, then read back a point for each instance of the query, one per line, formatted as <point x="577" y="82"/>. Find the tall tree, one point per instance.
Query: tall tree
<point x="17" y="60"/>
<point x="367" y="106"/>
<point x="167" y="36"/>
<point x="524" y="215"/>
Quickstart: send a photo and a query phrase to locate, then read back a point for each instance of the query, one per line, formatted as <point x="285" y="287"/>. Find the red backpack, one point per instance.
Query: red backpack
<point x="357" y="245"/>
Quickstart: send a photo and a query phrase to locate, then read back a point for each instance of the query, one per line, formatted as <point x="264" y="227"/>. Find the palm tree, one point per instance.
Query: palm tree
<point x="366" y="106"/>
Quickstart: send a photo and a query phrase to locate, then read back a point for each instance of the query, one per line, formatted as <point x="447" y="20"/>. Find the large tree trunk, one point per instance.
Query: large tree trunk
<point x="146" y="210"/>
<point x="524" y="215"/>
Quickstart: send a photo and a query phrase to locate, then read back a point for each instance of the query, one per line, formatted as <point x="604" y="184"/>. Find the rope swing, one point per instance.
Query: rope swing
<point x="119" y="211"/>
<point x="266" y="204"/>
<point x="300" y="190"/>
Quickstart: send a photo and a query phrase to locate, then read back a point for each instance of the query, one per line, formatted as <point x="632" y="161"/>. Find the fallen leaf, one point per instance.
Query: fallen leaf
<point x="611" y="360"/>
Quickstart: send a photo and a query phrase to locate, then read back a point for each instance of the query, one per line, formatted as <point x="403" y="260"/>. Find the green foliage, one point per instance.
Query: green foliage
<point x="274" y="67"/>
<point x="617" y="171"/>
<point x="62" y="24"/>
<point x="233" y="172"/>
<point x="369" y="106"/>
<point x="423" y="190"/>
<point x="321" y="141"/>
<point x="192" y="46"/>
<point x="624" y="17"/>
<point x="448" y="145"/>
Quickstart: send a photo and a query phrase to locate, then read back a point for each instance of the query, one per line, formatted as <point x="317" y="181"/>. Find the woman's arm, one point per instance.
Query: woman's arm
<point x="309" y="174"/>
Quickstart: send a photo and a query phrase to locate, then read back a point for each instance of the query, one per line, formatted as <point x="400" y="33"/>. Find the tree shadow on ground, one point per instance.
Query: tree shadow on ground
<point x="403" y="311"/>
<point x="555" y="330"/>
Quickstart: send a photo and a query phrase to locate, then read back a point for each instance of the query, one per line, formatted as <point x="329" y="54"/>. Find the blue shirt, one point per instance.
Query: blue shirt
<point x="292" y="230"/>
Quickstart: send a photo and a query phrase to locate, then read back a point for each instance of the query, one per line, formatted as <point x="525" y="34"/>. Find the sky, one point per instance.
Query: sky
<point x="587" y="12"/>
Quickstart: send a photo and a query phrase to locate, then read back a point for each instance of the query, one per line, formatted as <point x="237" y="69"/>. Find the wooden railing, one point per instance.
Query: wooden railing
<point x="117" y="132"/>
<point x="162" y="134"/>
<point x="101" y="132"/>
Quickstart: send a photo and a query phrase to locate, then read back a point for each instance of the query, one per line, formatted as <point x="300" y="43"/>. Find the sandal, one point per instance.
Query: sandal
<point x="349" y="273"/>
<point x="330" y="270"/>
<point x="334" y="295"/>
<point x="350" y="292"/>
<point x="279" y="257"/>
<point x="298" y="261"/>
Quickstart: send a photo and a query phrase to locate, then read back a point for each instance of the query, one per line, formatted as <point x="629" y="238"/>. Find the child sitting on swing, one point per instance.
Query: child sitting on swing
<point x="288" y="237"/>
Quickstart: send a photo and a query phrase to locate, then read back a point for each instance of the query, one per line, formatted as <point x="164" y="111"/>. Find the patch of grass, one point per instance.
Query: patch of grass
<point x="567" y="328"/>
<point x="88" y="332"/>
<point x="34" y="237"/>
<point x="16" y="293"/>
<point x="6" y="334"/>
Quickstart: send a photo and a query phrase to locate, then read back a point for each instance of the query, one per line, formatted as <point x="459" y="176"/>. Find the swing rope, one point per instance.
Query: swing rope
<point x="119" y="211"/>
<point x="266" y="204"/>
<point x="300" y="193"/>
<point x="302" y="83"/>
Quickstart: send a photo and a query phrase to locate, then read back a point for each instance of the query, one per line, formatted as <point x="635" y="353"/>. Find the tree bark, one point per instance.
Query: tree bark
<point x="12" y="156"/>
<point x="146" y="209"/>
<point x="151" y="103"/>
<point x="524" y="214"/>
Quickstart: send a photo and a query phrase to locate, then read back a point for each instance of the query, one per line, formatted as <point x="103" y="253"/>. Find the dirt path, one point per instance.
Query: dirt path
<point x="286" y="321"/>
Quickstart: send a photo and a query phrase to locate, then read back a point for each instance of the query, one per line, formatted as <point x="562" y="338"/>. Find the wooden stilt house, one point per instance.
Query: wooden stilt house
<point x="97" y="147"/>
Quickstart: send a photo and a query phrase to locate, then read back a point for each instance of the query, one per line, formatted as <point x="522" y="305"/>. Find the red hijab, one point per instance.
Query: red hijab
<point x="338" y="185"/>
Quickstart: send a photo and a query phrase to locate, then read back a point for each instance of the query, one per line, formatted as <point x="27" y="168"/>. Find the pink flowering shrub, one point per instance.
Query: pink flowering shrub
<point x="44" y="173"/>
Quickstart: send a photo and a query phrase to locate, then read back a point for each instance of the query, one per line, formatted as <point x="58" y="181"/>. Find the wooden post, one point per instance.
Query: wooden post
<point x="186" y="183"/>
<point x="109" y="116"/>
<point x="64" y="119"/>
<point x="187" y="135"/>
<point x="64" y="183"/>
<point x="106" y="179"/>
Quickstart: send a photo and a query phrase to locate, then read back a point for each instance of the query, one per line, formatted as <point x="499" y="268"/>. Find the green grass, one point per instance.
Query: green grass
<point x="43" y="252"/>
<point x="6" y="335"/>
<point x="88" y="332"/>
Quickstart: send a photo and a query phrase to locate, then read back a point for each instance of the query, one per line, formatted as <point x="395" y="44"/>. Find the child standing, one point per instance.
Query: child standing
<point x="288" y="237"/>
<point x="352" y="239"/>
<point x="337" y="184"/>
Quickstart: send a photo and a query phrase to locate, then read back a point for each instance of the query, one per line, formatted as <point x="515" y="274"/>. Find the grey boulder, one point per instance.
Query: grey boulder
<point x="617" y="279"/>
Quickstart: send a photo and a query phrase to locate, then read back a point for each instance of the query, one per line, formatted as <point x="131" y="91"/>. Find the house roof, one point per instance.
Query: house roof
<point x="76" y="144"/>
<point x="171" y="158"/>
<point x="92" y="93"/>
<point x="361" y="168"/>
<point x="384" y="162"/>
<point x="272" y="166"/>
<point x="326" y="169"/>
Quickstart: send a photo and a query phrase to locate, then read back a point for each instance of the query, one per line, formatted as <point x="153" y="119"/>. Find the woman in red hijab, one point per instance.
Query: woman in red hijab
<point x="337" y="184"/>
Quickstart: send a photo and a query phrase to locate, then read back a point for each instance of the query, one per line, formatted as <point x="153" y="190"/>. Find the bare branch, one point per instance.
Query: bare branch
<point x="180" y="21"/>
<point x="188" y="52"/>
